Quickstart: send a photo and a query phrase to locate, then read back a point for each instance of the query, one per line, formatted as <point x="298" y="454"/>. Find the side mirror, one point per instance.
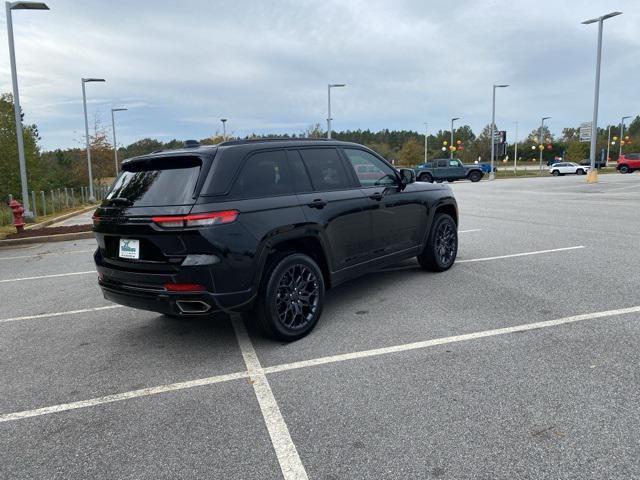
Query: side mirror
<point x="407" y="176"/>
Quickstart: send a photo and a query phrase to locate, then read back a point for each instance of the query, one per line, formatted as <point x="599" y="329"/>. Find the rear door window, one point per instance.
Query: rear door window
<point x="441" y="164"/>
<point x="158" y="182"/>
<point x="325" y="168"/>
<point x="299" y="175"/>
<point x="264" y="174"/>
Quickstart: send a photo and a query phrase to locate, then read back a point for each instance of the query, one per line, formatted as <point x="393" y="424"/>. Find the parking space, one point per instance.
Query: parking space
<point x="408" y="375"/>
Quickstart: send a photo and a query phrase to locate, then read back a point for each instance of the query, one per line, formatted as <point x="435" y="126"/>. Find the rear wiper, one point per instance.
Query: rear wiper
<point x="121" y="201"/>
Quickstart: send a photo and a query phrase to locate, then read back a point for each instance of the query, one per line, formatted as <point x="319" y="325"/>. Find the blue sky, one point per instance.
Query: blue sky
<point x="181" y="66"/>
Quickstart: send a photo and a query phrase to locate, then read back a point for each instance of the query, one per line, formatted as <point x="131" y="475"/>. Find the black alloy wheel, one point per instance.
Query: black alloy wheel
<point x="441" y="249"/>
<point x="291" y="296"/>
<point x="297" y="296"/>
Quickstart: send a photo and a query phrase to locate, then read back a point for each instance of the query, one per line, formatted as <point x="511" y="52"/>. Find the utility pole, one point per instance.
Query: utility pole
<point x="426" y="135"/>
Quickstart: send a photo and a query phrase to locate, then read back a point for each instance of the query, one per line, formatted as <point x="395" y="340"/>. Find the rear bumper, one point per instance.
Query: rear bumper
<point x="146" y="291"/>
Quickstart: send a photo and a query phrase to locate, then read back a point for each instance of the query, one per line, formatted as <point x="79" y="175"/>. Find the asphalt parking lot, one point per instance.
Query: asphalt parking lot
<point x="519" y="362"/>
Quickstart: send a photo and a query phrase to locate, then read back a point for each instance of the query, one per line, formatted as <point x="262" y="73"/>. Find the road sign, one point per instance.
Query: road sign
<point x="585" y="132"/>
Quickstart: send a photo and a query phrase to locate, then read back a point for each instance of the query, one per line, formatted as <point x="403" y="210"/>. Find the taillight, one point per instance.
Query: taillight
<point x="96" y="219"/>
<point x="184" y="287"/>
<point x="196" y="219"/>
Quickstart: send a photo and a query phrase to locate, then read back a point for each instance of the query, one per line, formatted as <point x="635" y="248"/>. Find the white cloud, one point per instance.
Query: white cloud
<point x="180" y="66"/>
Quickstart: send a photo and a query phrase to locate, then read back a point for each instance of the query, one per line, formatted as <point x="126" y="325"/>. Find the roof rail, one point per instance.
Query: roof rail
<point x="284" y="139"/>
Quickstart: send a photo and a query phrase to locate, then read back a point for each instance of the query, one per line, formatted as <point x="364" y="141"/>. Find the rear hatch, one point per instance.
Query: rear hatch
<point x="148" y="187"/>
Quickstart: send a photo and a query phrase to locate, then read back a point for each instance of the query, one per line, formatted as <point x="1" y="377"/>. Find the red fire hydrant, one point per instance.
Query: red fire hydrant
<point x="17" y="210"/>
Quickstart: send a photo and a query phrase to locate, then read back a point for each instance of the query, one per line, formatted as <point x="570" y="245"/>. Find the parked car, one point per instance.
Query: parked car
<point x="485" y="167"/>
<point x="263" y="226"/>
<point x="564" y="168"/>
<point x="628" y="163"/>
<point x="599" y="164"/>
<point x="450" y="169"/>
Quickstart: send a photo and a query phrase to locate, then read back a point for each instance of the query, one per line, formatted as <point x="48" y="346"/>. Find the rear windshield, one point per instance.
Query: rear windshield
<point x="158" y="182"/>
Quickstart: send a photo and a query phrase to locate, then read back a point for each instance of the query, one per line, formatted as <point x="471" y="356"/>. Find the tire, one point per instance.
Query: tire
<point x="450" y="181"/>
<point x="580" y="171"/>
<point x="624" y="169"/>
<point x="288" y="275"/>
<point x="426" y="177"/>
<point x="436" y="255"/>
<point x="439" y="180"/>
<point x="475" y="176"/>
<point x="555" y="173"/>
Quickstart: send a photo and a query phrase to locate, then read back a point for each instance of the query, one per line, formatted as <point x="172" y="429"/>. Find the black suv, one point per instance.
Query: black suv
<point x="263" y="226"/>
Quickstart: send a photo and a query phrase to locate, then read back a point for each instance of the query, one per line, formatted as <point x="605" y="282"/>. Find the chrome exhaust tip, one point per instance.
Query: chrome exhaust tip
<point x="193" y="306"/>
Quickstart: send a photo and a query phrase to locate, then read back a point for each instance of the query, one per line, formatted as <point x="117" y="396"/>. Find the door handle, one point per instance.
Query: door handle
<point x="317" y="203"/>
<point x="376" y="196"/>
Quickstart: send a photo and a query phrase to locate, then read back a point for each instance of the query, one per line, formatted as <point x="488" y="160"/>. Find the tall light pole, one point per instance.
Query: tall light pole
<point x="451" y="144"/>
<point x="426" y="134"/>
<point x="28" y="214"/>
<point x="592" y="177"/>
<point x="608" y="144"/>
<point x="113" y="128"/>
<point x="622" y="132"/>
<point x="515" y="153"/>
<point x="492" y="175"/>
<point x="541" y="140"/>
<point x="329" y="87"/>
<point x="92" y="198"/>
<point x="224" y="129"/>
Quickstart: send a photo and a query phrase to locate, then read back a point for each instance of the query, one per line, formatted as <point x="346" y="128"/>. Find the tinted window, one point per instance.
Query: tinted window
<point x="633" y="156"/>
<point x="158" y="181"/>
<point x="369" y="169"/>
<point x="325" y="168"/>
<point x="299" y="173"/>
<point x="442" y="164"/>
<point x="264" y="174"/>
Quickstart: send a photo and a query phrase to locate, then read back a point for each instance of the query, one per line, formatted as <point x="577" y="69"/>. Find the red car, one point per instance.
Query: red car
<point x="628" y="162"/>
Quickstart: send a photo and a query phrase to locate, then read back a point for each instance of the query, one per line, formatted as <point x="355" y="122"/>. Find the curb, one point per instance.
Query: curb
<point x="61" y="237"/>
<point x="61" y="218"/>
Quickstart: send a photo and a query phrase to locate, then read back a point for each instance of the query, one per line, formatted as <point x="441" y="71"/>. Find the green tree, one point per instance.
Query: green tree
<point x="9" y="164"/>
<point x="411" y="153"/>
<point x="576" y="151"/>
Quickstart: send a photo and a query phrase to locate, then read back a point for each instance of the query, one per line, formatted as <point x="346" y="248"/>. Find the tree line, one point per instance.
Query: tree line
<point x="68" y="167"/>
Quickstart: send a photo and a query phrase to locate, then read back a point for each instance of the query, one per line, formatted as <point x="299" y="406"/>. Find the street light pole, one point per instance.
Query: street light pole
<point x="592" y="177"/>
<point x="224" y="129"/>
<point x="451" y="144"/>
<point x="540" y="141"/>
<point x="492" y="175"/>
<point x="608" y="144"/>
<point x="113" y="128"/>
<point x="329" y="87"/>
<point x="622" y="133"/>
<point x="28" y="214"/>
<point x="515" y="154"/>
<point x="92" y="198"/>
<point x="426" y="134"/>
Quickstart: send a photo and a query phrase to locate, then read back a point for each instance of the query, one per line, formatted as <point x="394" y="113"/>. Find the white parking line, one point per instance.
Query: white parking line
<point x="48" y="254"/>
<point x="471" y="230"/>
<point x="538" y="252"/>
<point x="10" y="280"/>
<point x="144" y="392"/>
<point x="286" y="452"/>
<point x="59" y="314"/>
<point x="456" y="338"/>
<point x="271" y="410"/>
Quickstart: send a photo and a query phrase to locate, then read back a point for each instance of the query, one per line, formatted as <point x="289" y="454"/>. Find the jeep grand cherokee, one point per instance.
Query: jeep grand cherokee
<point x="263" y="226"/>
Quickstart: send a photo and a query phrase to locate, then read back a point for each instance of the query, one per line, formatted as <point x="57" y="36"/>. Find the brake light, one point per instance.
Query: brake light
<point x="184" y="287"/>
<point x="96" y="219"/>
<point x="196" y="219"/>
